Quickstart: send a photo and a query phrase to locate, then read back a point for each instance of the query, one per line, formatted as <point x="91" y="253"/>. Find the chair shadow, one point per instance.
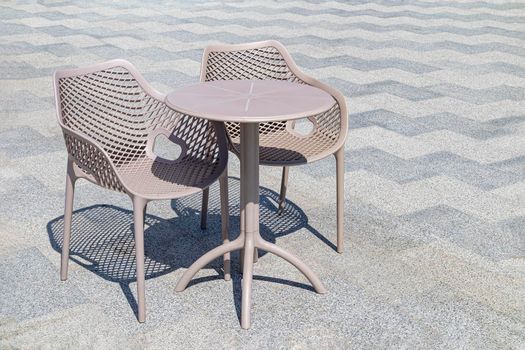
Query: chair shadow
<point x="102" y="239"/>
<point x="272" y="225"/>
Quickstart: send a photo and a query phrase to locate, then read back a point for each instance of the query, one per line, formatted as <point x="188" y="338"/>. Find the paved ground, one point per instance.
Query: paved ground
<point x="435" y="176"/>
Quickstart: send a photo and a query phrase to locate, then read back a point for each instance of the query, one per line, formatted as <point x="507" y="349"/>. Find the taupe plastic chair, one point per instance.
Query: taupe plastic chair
<point x="280" y="143"/>
<point x="110" y="117"/>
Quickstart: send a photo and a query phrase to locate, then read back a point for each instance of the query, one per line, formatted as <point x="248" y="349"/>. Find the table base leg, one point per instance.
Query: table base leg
<point x="234" y="246"/>
<point x="249" y="239"/>
<point x="247" y="277"/>
<point x="292" y="259"/>
<point x="241" y="258"/>
<point x="249" y="248"/>
<point x="206" y="259"/>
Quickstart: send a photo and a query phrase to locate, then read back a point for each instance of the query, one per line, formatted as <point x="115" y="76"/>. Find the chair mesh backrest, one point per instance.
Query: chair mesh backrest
<point x="259" y="63"/>
<point x="263" y="63"/>
<point x="111" y="107"/>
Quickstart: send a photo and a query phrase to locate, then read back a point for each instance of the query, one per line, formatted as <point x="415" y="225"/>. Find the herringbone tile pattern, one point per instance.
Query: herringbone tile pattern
<point x="435" y="182"/>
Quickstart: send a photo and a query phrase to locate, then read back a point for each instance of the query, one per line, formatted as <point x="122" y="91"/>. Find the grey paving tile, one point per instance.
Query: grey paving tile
<point x="11" y="13"/>
<point x="402" y="171"/>
<point x="158" y="54"/>
<point x="83" y="326"/>
<point x="436" y="29"/>
<point x="31" y="287"/>
<point x="172" y="78"/>
<point x="467" y="171"/>
<point x="507" y="121"/>
<point x="515" y="165"/>
<point x="467" y="5"/>
<point x="387" y="165"/>
<point x="15" y="48"/>
<point x="390" y="289"/>
<point x="369" y="225"/>
<point x="366" y="65"/>
<point x="468" y="127"/>
<point x="104" y="32"/>
<point x="61" y="50"/>
<point x="391" y="87"/>
<point x="451" y="316"/>
<point x="108" y="51"/>
<point x="442" y="121"/>
<point x="480" y="96"/>
<point x="22" y="198"/>
<point x="12" y="29"/>
<point x="60" y="30"/>
<point x="492" y="241"/>
<point x="23" y="142"/>
<point x="17" y="70"/>
<point x="515" y="225"/>
<point x="393" y="14"/>
<point x="499" y="67"/>
<point x="390" y="121"/>
<point x="55" y="15"/>
<point x="373" y="27"/>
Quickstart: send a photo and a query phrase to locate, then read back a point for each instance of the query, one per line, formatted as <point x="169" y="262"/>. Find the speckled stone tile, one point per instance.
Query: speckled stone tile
<point x="31" y="286"/>
<point x="434" y="174"/>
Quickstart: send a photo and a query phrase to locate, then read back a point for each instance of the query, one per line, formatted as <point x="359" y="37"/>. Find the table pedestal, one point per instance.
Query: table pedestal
<point x="249" y="237"/>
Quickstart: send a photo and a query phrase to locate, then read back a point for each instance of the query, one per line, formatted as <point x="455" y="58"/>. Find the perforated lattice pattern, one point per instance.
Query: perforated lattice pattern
<point x="92" y="161"/>
<point x="278" y="144"/>
<point x="112" y="109"/>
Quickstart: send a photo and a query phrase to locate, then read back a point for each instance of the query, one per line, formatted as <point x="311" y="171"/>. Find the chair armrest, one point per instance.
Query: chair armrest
<point x="339" y="99"/>
<point x="92" y="159"/>
<point x="336" y="94"/>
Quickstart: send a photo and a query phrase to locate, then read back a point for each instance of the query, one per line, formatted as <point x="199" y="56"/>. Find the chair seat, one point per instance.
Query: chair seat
<point x="154" y="179"/>
<point x="283" y="147"/>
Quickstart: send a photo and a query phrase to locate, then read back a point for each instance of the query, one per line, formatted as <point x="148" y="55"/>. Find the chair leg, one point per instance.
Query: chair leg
<point x="225" y="222"/>
<point x="340" y="165"/>
<point x="139" y="205"/>
<point x="204" y="208"/>
<point x="284" y="185"/>
<point x="68" y="215"/>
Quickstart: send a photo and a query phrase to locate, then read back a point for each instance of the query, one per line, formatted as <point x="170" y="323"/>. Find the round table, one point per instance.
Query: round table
<point x="249" y="102"/>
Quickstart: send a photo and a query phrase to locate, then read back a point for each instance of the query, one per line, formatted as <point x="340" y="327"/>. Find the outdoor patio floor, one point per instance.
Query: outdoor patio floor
<point x="435" y="183"/>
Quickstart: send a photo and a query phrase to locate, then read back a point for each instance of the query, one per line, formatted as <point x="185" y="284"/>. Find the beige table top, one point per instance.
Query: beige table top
<point x="250" y="101"/>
